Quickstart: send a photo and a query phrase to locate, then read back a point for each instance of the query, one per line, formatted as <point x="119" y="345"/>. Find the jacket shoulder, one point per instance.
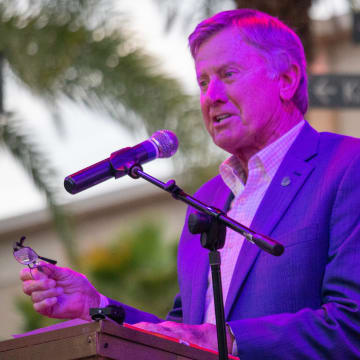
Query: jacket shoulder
<point x="210" y="187"/>
<point x="340" y="149"/>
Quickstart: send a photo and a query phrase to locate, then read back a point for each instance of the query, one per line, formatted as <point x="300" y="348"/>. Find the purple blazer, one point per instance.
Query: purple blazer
<point x="304" y="304"/>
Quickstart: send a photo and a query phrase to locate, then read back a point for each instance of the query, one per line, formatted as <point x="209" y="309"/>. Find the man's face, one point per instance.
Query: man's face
<point x="239" y="100"/>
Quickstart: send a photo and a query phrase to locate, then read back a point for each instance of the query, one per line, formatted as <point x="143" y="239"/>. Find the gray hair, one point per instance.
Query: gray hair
<point x="275" y="41"/>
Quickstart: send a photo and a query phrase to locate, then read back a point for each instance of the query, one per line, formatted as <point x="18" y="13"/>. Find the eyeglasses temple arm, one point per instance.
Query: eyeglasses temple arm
<point x="54" y="262"/>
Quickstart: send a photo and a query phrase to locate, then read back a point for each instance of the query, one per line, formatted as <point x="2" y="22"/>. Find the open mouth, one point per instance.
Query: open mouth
<point x="221" y="117"/>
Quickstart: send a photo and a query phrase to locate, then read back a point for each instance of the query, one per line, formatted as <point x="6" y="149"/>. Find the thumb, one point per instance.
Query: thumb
<point x="44" y="269"/>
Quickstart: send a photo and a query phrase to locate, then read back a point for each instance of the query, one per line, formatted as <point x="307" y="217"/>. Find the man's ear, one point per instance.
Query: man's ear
<point x="289" y="81"/>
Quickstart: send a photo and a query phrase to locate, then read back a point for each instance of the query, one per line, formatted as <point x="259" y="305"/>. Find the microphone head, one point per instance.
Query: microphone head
<point x="166" y="143"/>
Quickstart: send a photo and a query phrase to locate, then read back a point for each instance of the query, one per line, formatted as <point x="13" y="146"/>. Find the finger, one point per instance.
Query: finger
<point x="155" y="328"/>
<point x="27" y="274"/>
<point x="44" y="307"/>
<point x="142" y="325"/>
<point x="44" y="270"/>
<point x="48" y="269"/>
<point x="30" y="286"/>
<point x="55" y="272"/>
<point x="38" y="296"/>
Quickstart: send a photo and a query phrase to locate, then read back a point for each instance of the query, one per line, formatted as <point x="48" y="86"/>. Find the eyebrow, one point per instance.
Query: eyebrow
<point x="222" y="66"/>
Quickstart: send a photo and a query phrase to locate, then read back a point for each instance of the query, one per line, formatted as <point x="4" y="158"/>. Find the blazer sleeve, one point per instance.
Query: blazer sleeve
<point x="333" y="330"/>
<point x="133" y="315"/>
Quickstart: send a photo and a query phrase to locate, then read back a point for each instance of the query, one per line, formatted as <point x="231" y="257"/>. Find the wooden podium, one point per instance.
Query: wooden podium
<point x="104" y="340"/>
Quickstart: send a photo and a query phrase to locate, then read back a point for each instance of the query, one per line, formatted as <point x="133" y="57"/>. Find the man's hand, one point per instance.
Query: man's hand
<point x="59" y="292"/>
<point x="203" y="335"/>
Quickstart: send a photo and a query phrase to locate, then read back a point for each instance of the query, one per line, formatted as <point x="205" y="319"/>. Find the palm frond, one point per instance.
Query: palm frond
<point x="100" y="67"/>
<point x="26" y="152"/>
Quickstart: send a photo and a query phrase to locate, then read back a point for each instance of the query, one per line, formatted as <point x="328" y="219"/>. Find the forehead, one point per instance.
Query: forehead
<point x="227" y="46"/>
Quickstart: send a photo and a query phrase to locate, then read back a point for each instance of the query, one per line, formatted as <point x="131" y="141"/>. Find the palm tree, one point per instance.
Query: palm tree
<point x="78" y="50"/>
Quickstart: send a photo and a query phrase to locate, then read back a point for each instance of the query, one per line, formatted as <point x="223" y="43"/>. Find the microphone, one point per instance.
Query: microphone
<point x="162" y="144"/>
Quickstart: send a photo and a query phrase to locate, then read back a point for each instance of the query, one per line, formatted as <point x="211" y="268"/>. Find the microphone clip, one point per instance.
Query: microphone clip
<point x="133" y="171"/>
<point x="113" y="312"/>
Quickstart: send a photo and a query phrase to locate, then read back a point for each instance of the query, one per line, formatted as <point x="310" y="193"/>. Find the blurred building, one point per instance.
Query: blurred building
<point x="335" y="52"/>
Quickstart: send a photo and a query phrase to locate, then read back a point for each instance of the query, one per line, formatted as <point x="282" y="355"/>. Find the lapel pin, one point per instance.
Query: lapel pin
<point x="285" y="181"/>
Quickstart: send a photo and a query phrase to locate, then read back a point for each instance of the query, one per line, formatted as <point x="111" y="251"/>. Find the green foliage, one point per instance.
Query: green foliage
<point x="137" y="268"/>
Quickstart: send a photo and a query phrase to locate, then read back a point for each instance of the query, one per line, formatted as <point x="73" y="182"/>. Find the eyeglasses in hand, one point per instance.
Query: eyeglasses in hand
<point x="25" y="255"/>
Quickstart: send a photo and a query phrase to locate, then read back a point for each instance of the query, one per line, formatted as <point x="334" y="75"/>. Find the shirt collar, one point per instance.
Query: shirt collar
<point x="267" y="160"/>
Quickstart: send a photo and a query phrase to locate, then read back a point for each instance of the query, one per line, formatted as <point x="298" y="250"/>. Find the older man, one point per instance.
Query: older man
<point x="283" y="179"/>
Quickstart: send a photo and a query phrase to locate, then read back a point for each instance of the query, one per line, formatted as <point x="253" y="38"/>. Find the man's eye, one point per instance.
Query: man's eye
<point x="228" y="73"/>
<point x="203" y="83"/>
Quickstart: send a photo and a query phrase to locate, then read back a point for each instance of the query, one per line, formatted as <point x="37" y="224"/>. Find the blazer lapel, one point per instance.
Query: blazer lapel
<point x="221" y="196"/>
<point x="286" y="183"/>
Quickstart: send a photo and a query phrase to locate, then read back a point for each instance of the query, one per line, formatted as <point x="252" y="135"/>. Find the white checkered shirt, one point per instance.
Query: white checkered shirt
<point x="247" y="198"/>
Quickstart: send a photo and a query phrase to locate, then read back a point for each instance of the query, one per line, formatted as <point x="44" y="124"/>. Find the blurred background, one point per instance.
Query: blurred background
<point x="80" y="79"/>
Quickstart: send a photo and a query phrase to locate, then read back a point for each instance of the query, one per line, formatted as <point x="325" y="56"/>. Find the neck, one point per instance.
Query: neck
<point x="271" y="132"/>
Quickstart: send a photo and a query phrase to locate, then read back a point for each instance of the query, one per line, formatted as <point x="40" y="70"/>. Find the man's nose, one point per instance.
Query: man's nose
<point x="215" y="92"/>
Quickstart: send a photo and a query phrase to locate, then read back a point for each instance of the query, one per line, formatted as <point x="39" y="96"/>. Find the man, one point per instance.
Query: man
<point x="287" y="181"/>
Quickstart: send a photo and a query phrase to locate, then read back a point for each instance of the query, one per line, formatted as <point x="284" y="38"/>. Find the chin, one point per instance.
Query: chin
<point x="224" y="145"/>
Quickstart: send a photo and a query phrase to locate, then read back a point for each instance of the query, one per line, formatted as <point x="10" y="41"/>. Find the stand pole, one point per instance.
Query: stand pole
<point x="215" y="262"/>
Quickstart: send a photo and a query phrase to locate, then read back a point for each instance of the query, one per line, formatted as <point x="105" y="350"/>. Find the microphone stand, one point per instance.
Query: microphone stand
<point x="212" y="237"/>
<point x="211" y="223"/>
